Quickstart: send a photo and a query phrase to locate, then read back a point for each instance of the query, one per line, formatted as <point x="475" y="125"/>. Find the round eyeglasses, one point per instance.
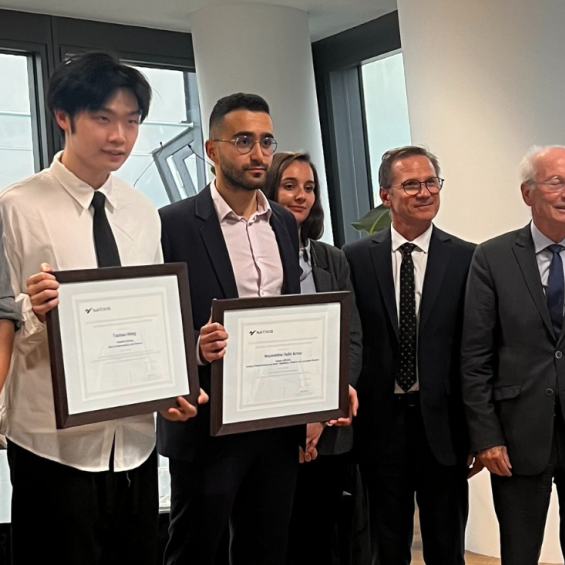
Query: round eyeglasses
<point x="244" y="144"/>
<point x="412" y="186"/>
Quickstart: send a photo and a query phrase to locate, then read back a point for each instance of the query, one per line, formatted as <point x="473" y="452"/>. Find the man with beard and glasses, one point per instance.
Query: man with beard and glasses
<point x="236" y="244"/>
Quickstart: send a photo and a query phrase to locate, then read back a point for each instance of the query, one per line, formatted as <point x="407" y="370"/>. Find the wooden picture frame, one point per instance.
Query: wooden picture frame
<point x="64" y="352"/>
<point x="221" y="381"/>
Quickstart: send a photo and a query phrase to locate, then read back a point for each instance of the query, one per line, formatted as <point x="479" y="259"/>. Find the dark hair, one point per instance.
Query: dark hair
<point x="313" y="225"/>
<point x="84" y="82"/>
<point x="238" y="101"/>
<point x="393" y="155"/>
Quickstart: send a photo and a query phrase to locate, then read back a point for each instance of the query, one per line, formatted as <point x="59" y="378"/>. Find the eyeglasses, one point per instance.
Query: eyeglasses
<point x="554" y="184"/>
<point x="244" y="144"/>
<point x="412" y="186"/>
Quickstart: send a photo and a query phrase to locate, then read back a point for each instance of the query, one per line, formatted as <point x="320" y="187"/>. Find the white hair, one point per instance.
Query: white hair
<point x="527" y="168"/>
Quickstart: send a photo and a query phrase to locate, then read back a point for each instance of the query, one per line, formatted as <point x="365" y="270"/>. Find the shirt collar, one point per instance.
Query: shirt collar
<point x="306" y="248"/>
<point x="541" y="241"/>
<point x="422" y="242"/>
<point x="78" y="189"/>
<point x="224" y="210"/>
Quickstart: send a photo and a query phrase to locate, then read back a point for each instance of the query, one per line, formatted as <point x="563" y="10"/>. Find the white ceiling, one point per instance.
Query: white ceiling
<point x="326" y="17"/>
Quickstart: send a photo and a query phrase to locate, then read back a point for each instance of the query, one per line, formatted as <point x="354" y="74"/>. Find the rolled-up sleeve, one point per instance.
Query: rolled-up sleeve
<point x="9" y="310"/>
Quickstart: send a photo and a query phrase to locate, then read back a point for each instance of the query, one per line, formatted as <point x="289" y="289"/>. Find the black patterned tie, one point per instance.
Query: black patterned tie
<point x="107" y="253"/>
<point x="406" y="375"/>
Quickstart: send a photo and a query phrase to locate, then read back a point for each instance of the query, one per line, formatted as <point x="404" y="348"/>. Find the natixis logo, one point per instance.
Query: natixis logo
<point x="260" y="332"/>
<point x="101" y="309"/>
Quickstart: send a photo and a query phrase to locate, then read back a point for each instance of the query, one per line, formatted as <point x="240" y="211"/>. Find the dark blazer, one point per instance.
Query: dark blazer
<point x="441" y="316"/>
<point x="191" y="233"/>
<point x="331" y="272"/>
<point x="512" y="364"/>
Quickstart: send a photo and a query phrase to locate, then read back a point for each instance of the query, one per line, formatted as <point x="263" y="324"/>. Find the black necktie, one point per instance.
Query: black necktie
<point x="107" y="253"/>
<point x="554" y="293"/>
<point x="406" y="375"/>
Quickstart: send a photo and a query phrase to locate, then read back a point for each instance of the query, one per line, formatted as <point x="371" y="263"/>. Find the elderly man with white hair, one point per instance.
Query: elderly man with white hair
<point x="513" y="361"/>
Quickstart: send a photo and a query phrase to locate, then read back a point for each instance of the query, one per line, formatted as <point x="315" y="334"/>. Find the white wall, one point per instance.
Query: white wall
<point x="484" y="82"/>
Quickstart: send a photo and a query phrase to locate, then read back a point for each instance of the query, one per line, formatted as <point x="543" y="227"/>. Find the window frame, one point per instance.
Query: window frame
<point x="22" y="33"/>
<point x="337" y="61"/>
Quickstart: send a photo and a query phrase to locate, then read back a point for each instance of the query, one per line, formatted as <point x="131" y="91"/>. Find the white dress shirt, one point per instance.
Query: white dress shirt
<point x="307" y="284"/>
<point x="420" y="260"/>
<point x="544" y="256"/>
<point x="252" y="247"/>
<point x="48" y="219"/>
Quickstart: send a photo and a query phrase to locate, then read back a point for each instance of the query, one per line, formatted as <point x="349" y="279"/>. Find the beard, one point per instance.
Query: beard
<point x="236" y="177"/>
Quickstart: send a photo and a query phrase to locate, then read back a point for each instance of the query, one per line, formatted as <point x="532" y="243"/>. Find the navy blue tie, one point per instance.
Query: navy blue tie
<point x="555" y="285"/>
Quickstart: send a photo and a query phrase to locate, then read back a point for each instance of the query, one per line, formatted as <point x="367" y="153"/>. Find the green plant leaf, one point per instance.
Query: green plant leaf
<point x="374" y="220"/>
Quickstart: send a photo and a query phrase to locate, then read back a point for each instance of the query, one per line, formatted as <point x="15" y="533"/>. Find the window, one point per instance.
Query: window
<point x="16" y="121"/>
<point x="348" y="109"/>
<point x="386" y="110"/>
<point x="166" y="163"/>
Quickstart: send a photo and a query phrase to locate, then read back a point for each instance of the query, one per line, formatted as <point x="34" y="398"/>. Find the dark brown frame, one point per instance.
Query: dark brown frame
<point x="62" y="416"/>
<point x="219" y="307"/>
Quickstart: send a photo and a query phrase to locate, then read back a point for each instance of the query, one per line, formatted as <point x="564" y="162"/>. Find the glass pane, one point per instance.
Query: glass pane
<point x="16" y="163"/>
<point x="16" y="140"/>
<point x="386" y="110"/>
<point x="174" y="112"/>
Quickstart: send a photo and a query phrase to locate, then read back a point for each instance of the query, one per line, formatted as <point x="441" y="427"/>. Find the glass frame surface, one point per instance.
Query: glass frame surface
<point x="224" y="384"/>
<point x="63" y="348"/>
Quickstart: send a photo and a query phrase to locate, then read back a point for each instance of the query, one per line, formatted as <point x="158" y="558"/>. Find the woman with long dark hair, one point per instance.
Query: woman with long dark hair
<point x="293" y="182"/>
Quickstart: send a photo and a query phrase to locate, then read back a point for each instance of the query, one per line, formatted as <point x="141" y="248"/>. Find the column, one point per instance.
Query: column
<point x="484" y="82"/>
<point x="265" y="50"/>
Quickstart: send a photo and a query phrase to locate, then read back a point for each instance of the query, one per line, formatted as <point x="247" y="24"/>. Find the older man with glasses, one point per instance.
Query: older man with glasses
<point x="410" y="432"/>
<point x="513" y="362"/>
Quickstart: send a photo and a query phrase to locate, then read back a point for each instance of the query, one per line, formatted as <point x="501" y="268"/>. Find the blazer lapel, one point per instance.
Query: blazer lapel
<point x="215" y="244"/>
<point x="525" y="254"/>
<point x="381" y="257"/>
<point x="322" y="278"/>
<point x="439" y="254"/>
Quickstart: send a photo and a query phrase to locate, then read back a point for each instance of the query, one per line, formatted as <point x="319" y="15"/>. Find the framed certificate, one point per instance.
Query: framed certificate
<point x="121" y="343"/>
<point x="286" y="362"/>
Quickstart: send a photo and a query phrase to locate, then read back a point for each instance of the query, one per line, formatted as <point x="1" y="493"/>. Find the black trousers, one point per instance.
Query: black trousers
<point x="248" y="485"/>
<point x="317" y="505"/>
<point x="521" y="504"/>
<point x="70" y="517"/>
<point x="406" y="469"/>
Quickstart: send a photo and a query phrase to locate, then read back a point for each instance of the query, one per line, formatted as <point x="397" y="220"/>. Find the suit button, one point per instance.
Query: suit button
<point x="549" y="391"/>
<point x="558" y="354"/>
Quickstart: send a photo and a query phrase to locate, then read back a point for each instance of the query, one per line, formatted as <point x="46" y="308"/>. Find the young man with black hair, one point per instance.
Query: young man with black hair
<point x="87" y="494"/>
<point x="236" y="244"/>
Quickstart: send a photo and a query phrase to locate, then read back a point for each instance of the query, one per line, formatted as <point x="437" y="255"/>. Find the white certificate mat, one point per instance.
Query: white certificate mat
<point x="281" y="361"/>
<point x="118" y="339"/>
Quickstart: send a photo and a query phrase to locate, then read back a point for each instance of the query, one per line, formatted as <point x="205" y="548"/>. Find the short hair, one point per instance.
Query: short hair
<point x="85" y="81"/>
<point x="313" y="225"/>
<point x="394" y="155"/>
<point x="527" y="168"/>
<point x="238" y="101"/>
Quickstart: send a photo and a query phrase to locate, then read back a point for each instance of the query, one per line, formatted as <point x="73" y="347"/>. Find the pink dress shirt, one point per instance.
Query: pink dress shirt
<point x="252" y="246"/>
<point x="253" y="250"/>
